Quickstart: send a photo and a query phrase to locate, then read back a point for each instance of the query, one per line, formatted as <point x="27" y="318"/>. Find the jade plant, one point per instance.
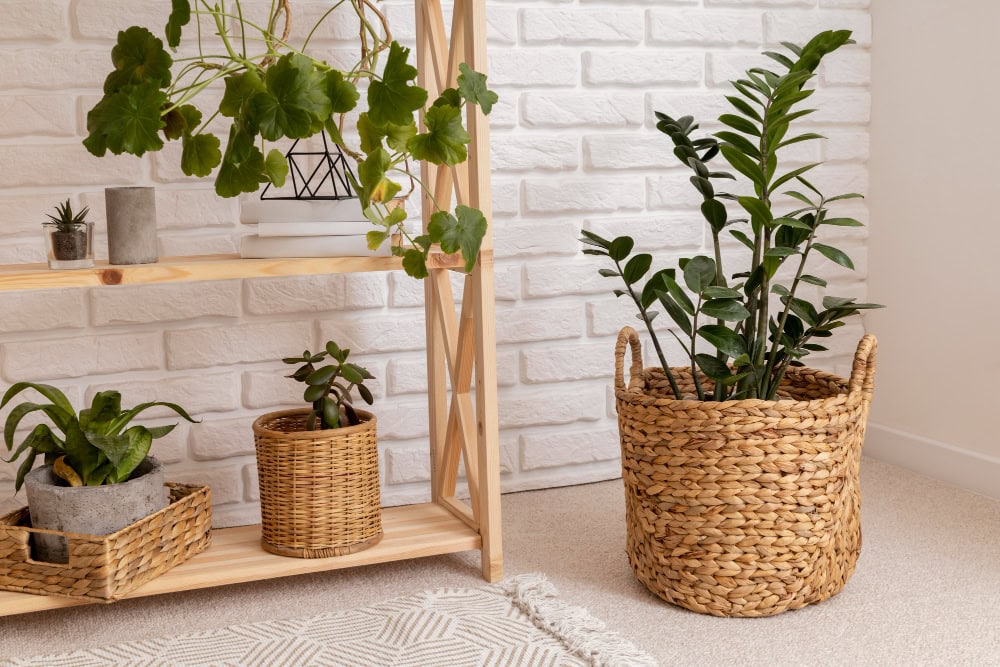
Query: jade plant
<point x="328" y="387"/>
<point x="275" y="88"/>
<point x="93" y="447"/>
<point x="755" y="319"/>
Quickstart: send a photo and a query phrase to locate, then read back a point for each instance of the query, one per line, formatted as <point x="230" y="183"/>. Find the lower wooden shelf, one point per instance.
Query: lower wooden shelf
<point x="411" y="531"/>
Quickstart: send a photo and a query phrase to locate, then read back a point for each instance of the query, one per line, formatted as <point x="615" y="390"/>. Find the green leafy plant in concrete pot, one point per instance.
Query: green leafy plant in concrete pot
<point x="99" y="477"/>
<point x="274" y="88"/>
<point x="69" y="237"/>
<point x="317" y="467"/>
<point x="740" y="464"/>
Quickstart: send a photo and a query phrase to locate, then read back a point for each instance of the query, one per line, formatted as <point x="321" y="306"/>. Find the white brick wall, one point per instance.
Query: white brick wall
<point x="574" y="145"/>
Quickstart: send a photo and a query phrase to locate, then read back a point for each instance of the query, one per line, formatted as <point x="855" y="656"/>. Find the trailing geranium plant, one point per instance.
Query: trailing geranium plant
<point x="755" y="338"/>
<point x="329" y="387"/>
<point x="276" y="90"/>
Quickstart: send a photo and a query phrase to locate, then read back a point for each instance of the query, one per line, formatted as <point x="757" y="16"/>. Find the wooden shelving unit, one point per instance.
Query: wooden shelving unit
<point x="460" y="346"/>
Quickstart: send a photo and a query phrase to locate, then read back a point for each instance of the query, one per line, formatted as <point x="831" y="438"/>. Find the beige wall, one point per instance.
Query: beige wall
<point x="935" y="237"/>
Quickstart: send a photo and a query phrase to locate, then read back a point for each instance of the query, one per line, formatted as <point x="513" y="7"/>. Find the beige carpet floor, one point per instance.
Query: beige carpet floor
<point x="926" y="591"/>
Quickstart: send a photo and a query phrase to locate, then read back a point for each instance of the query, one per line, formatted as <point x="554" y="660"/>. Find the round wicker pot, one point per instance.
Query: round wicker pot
<point x="319" y="490"/>
<point x="745" y="507"/>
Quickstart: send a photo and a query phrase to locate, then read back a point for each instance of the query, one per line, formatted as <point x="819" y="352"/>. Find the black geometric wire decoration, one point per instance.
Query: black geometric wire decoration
<point x="328" y="180"/>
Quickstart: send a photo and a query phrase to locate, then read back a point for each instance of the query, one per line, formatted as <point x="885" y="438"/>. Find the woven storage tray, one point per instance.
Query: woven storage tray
<point x="319" y="490"/>
<point x="744" y="507"/>
<point x="105" y="568"/>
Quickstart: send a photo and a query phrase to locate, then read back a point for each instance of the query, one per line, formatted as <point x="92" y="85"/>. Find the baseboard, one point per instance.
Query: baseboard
<point x="954" y="465"/>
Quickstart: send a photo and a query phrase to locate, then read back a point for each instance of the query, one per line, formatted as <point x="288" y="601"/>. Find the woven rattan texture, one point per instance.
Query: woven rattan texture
<point x="745" y="507"/>
<point x="107" y="567"/>
<point x="319" y="490"/>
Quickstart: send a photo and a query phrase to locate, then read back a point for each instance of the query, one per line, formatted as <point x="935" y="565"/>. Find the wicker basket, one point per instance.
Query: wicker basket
<point x="319" y="490"/>
<point x="745" y="507"/>
<point x="105" y="568"/>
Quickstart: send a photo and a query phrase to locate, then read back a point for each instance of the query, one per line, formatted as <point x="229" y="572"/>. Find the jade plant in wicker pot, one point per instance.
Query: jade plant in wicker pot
<point x="318" y="466"/>
<point x="98" y="476"/>
<point x="740" y="463"/>
<point x="272" y="86"/>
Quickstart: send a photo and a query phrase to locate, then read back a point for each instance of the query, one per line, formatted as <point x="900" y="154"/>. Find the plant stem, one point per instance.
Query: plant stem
<point x="773" y="383"/>
<point x="652" y="333"/>
<point x="694" y="342"/>
<point x="322" y="18"/>
<point x="720" y="281"/>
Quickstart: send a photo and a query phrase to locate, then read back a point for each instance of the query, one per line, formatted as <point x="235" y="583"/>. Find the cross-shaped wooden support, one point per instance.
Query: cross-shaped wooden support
<point x="460" y="346"/>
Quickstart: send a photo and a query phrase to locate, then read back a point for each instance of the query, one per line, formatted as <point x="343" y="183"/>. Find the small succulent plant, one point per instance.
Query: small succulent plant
<point x="329" y="387"/>
<point x="65" y="219"/>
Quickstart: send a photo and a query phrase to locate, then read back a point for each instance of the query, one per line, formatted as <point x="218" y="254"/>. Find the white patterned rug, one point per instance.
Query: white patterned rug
<point x="516" y="623"/>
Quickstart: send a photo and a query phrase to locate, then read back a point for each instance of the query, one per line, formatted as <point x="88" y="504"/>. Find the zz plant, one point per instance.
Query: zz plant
<point x="92" y="448"/>
<point x="758" y="324"/>
<point x="328" y="388"/>
<point x="273" y="89"/>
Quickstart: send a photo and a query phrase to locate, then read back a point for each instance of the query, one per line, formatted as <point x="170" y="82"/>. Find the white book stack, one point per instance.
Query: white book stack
<point x="306" y="228"/>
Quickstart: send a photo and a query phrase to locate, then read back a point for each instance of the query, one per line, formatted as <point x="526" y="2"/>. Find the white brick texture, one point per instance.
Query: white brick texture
<point x="573" y="145"/>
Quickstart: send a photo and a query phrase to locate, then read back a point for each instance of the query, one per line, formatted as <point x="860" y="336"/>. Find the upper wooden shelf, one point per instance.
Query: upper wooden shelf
<point x="204" y="267"/>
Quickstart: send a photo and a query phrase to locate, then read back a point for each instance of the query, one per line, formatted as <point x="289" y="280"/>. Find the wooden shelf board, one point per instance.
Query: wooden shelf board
<point x="204" y="267"/>
<point x="236" y="556"/>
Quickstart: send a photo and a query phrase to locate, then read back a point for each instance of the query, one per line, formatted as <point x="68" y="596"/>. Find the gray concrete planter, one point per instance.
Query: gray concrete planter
<point x="131" y="215"/>
<point x="90" y="510"/>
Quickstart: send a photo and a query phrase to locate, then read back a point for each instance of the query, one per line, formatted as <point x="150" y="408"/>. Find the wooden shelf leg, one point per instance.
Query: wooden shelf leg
<point x="487" y="423"/>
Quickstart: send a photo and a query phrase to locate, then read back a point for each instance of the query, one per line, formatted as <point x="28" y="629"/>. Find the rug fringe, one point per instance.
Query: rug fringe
<point x="583" y="634"/>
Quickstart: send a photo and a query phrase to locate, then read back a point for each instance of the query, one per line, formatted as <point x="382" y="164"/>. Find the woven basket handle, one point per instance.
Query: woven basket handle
<point x="627" y="337"/>
<point x="863" y="373"/>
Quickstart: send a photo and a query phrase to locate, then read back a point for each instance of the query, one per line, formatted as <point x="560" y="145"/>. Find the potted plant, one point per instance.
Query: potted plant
<point x="741" y="465"/>
<point x="318" y="466"/>
<point x="275" y="88"/>
<point x="98" y="477"/>
<point x="69" y="238"/>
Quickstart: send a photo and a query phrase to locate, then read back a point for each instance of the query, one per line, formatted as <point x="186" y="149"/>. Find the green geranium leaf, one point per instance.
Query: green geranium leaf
<point x="376" y="238"/>
<point x="449" y="97"/>
<point x="333" y="131"/>
<point x="342" y="93"/>
<point x="240" y="89"/>
<point x="394" y="99"/>
<point x="179" y="16"/>
<point x="396" y="136"/>
<point x="294" y="101"/>
<point x="127" y="122"/>
<point x="445" y="139"/>
<point x="242" y="166"/>
<point x="375" y="185"/>
<point x="472" y="86"/>
<point x="276" y="167"/>
<point x="181" y="120"/>
<point x="201" y="154"/>
<point x="463" y="231"/>
<point x="415" y="264"/>
<point x="138" y="58"/>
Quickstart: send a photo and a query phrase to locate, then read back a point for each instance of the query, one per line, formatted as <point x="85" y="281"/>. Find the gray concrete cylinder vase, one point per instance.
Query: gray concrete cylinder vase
<point x="131" y="225"/>
<point x="90" y="510"/>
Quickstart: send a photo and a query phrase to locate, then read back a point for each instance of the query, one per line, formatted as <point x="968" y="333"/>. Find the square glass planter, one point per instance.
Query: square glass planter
<point x="69" y="246"/>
